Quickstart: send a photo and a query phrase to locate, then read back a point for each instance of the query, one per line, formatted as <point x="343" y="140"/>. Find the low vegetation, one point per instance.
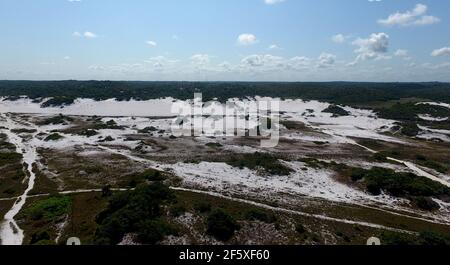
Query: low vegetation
<point x="53" y="137"/>
<point x="221" y="225"/>
<point x="336" y="111"/>
<point x="55" y="120"/>
<point x="138" y="211"/>
<point x="400" y="184"/>
<point x="49" y="209"/>
<point x="424" y="238"/>
<point x="267" y="162"/>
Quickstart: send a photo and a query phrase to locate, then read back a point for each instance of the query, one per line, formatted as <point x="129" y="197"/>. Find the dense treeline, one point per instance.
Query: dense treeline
<point x="64" y="92"/>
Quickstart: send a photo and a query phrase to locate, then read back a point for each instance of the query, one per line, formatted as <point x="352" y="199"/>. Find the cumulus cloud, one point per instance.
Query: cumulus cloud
<point x="274" y="47"/>
<point x="200" y="59"/>
<point x="268" y="62"/>
<point x="339" y="38"/>
<point x="89" y="35"/>
<point x="151" y="43"/>
<point x="256" y="60"/>
<point x="326" y="60"/>
<point x="401" y="53"/>
<point x="441" y="52"/>
<point x="374" y="47"/>
<point x="246" y="39"/>
<point x="161" y="63"/>
<point x="414" y="17"/>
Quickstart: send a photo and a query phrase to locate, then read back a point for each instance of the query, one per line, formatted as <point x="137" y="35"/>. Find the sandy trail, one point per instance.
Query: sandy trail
<point x="277" y="209"/>
<point x="10" y="232"/>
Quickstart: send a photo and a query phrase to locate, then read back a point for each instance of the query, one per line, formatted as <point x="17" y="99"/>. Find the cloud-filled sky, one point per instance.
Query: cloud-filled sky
<point x="225" y="40"/>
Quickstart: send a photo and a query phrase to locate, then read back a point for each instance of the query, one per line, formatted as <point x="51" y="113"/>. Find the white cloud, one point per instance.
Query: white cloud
<point x="89" y="35"/>
<point x="298" y="62"/>
<point x="274" y="47"/>
<point x="427" y="20"/>
<point x="415" y="17"/>
<point x="151" y="43"/>
<point x="326" y="59"/>
<point x="441" y="52"/>
<point x="339" y="38"/>
<point x="373" y="47"/>
<point x="436" y="66"/>
<point x="200" y="59"/>
<point x="161" y="63"/>
<point x="66" y="58"/>
<point x="401" y="53"/>
<point x="74" y="1"/>
<point x="247" y="39"/>
<point x="273" y="2"/>
<point x="268" y="63"/>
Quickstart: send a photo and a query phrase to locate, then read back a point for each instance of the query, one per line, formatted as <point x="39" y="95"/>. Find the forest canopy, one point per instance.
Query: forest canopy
<point x="349" y="93"/>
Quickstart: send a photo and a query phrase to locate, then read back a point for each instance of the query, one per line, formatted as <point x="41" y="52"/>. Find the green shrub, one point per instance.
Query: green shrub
<point x="299" y="228"/>
<point x="410" y="129"/>
<point x="88" y="133"/>
<point x="111" y="125"/>
<point x="152" y="175"/>
<point x="23" y="130"/>
<point x="53" y="137"/>
<point x="153" y="231"/>
<point x="401" y="184"/>
<point x="55" y="120"/>
<point x="336" y="111"/>
<point x="357" y="174"/>
<point x="148" y="130"/>
<point x="7" y="158"/>
<point x="221" y="225"/>
<point x="268" y="162"/>
<point x="131" y="211"/>
<point x="107" y="139"/>
<point x="380" y="157"/>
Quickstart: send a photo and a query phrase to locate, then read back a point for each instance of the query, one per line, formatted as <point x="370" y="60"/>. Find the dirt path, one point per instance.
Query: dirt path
<point x="277" y="209"/>
<point x="10" y="232"/>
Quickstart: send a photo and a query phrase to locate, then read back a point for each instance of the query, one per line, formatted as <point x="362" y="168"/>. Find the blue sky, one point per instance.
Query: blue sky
<point x="207" y="40"/>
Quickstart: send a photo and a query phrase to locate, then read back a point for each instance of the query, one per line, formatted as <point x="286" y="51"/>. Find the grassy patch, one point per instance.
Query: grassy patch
<point x="49" y="209"/>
